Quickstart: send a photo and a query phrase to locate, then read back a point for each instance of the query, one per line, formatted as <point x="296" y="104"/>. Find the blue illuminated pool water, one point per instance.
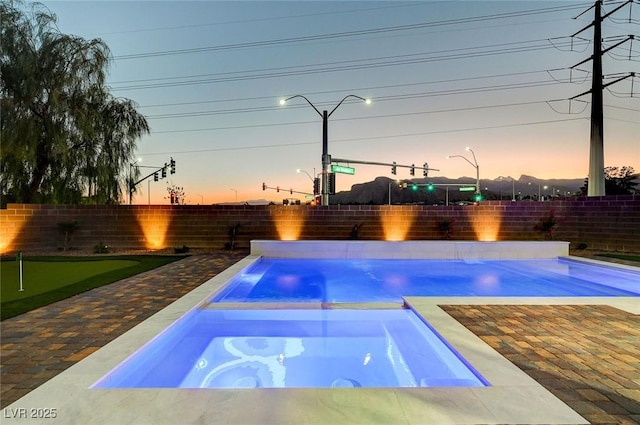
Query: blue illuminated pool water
<point x="366" y="280"/>
<point x="294" y="349"/>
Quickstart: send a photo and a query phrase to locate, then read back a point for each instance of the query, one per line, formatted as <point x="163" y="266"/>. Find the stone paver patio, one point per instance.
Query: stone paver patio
<point x="40" y="344"/>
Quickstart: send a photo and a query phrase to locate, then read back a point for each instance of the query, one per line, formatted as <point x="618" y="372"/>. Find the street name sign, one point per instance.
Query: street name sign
<point x="342" y="169"/>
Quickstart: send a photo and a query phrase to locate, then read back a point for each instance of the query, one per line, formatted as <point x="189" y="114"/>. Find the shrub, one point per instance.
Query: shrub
<point x="66" y="229"/>
<point x="101" y="248"/>
<point x="547" y="224"/>
<point x="445" y="226"/>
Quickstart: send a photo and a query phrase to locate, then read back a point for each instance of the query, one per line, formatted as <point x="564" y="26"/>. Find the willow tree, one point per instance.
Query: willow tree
<point x="63" y="135"/>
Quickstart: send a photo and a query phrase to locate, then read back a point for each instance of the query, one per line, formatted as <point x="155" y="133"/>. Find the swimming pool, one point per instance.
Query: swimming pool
<point x="295" y="349"/>
<point x="388" y="280"/>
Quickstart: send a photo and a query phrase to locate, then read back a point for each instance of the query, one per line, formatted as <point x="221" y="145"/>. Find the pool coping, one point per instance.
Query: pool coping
<point x="514" y="397"/>
<point x="425" y="249"/>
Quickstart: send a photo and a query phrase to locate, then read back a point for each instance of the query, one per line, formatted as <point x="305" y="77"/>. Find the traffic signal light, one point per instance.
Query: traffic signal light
<point x="278" y="189"/>
<point x="402" y="185"/>
<point x="332" y="183"/>
<point x="425" y="169"/>
<point x="164" y="171"/>
<point x="414" y="187"/>
<point x="430" y="187"/>
<point x="264" y="186"/>
<point x="155" y="177"/>
<point x="316" y="186"/>
<point x="291" y="191"/>
<point x="393" y="168"/>
<point x="412" y="171"/>
<point x="477" y="197"/>
<point x="173" y="166"/>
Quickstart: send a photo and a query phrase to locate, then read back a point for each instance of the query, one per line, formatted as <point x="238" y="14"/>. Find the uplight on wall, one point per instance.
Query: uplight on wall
<point x="10" y="227"/>
<point x="154" y="225"/>
<point x="289" y="222"/>
<point x="485" y="221"/>
<point x="395" y="226"/>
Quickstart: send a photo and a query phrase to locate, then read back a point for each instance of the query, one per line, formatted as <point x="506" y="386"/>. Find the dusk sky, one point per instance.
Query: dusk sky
<point x="441" y="75"/>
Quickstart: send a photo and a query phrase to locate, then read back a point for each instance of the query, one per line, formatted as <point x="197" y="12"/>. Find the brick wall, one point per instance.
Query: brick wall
<point x="604" y="223"/>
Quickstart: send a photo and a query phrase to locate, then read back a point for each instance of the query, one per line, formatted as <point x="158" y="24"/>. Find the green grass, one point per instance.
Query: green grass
<point x="50" y="279"/>
<point x="622" y="257"/>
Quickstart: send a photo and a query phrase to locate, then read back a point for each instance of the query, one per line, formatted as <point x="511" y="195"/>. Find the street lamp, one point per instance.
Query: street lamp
<point x="326" y="158"/>
<point x="307" y="173"/>
<point x="396" y="182"/>
<point x="540" y="187"/>
<point x="313" y="182"/>
<point x="474" y="164"/>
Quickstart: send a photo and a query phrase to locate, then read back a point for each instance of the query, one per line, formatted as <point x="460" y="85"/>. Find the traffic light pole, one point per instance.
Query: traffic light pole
<point x="132" y="185"/>
<point x="425" y="168"/>
<point x="291" y="191"/>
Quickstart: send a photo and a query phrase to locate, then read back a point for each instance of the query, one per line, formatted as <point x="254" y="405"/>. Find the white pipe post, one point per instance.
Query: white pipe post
<point x="20" y="268"/>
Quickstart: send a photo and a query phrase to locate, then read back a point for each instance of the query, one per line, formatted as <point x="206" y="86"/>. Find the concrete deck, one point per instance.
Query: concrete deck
<point x="552" y="353"/>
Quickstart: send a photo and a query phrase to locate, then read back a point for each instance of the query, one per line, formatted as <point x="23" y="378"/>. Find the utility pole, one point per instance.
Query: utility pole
<point x="596" y="185"/>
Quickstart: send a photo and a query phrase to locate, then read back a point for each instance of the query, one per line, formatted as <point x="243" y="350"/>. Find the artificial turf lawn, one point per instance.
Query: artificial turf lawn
<point x="50" y="279"/>
<point x="623" y="257"/>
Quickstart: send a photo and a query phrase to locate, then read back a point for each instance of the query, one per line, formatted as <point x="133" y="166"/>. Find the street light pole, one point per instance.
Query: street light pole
<point x="326" y="158"/>
<point x="306" y="172"/>
<point x="474" y="164"/>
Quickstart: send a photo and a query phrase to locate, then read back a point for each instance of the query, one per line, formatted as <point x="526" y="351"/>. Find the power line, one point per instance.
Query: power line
<point x="337" y="35"/>
<point x="263" y="19"/>
<point x="278" y="145"/>
<point x="359" y="89"/>
<point x="388" y="61"/>
<point x="378" y="99"/>
<point x="368" y="117"/>
<point x="512" y="46"/>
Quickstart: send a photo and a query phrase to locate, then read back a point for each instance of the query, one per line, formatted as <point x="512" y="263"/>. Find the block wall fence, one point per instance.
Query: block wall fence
<point x="609" y="223"/>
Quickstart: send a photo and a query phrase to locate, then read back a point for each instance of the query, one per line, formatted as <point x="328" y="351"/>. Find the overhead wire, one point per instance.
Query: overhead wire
<point x="340" y="66"/>
<point x="368" y="117"/>
<point x="378" y="99"/>
<point x="392" y="136"/>
<point x="388" y="61"/>
<point x="362" y="88"/>
<point x="261" y="19"/>
<point x="336" y="35"/>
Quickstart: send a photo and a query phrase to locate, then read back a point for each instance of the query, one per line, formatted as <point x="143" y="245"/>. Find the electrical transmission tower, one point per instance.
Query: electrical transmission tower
<point x="596" y="186"/>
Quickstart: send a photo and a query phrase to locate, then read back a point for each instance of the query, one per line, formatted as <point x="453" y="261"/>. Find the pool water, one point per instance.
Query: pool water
<point x="295" y="349"/>
<point x="374" y="280"/>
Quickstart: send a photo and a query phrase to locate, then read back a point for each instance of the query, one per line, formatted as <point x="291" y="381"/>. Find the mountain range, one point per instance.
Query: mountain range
<point x="377" y="192"/>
